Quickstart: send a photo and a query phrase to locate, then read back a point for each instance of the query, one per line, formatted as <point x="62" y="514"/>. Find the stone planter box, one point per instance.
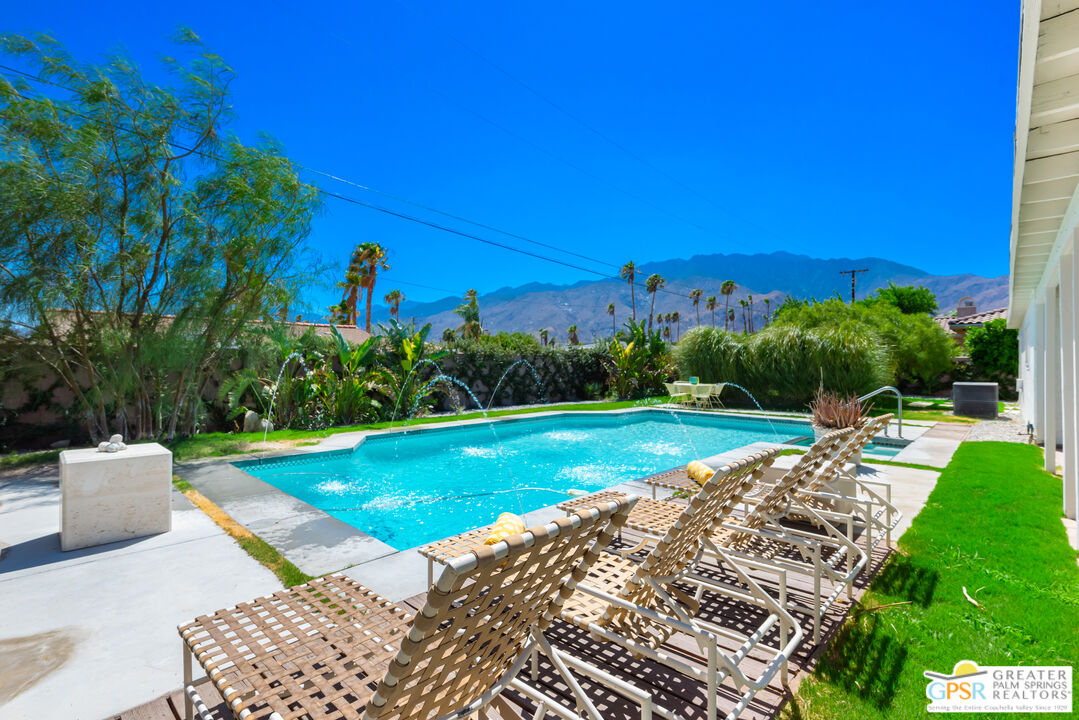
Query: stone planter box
<point x="105" y="497"/>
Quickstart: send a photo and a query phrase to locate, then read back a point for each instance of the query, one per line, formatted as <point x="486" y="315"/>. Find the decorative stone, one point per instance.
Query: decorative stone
<point x="116" y="439"/>
<point x="265" y="426"/>
<point x="106" y="497"/>
<point x="251" y="422"/>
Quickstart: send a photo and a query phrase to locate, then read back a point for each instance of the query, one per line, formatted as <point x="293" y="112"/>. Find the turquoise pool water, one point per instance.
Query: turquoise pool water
<point x="410" y="489"/>
<point x="871" y="448"/>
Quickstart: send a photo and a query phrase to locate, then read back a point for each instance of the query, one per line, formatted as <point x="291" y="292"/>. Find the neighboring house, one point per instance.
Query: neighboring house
<point x="967" y="316"/>
<point x="1043" y="300"/>
<point x="351" y="333"/>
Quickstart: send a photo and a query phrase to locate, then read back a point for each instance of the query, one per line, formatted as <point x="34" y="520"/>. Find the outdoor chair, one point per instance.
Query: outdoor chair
<point x="845" y="496"/>
<point x="677" y="395"/>
<point x="332" y="648"/>
<point x="759" y="538"/>
<point x="639" y="606"/>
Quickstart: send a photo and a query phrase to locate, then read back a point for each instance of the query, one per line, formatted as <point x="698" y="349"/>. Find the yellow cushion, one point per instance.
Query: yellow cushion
<point x="507" y="524"/>
<point x="699" y="472"/>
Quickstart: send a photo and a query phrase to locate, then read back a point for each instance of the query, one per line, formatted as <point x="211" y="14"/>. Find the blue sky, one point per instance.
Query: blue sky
<point x="848" y="129"/>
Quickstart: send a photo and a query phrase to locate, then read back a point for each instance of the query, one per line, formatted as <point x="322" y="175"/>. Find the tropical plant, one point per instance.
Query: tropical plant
<point x="394" y="298"/>
<point x="749" y="305"/>
<point x="637" y="363"/>
<point x="710" y="304"/>
<point x="676" y="318"/>
<point x="695" y="298"/>
<point x="449" y="335"/>
<point x="140" y="242"/>
<point x="629" y="274"/>
<point x="745" y="326"/>
<point x="469" y="312"/>
<point x="610" y="311"/>
<point x="543" y="336"/>
<point x="403" y="350"/>
<point x="351" y="395"/>
<point x="727" y="289"/>
<point x="653" y="285"/>
<point x="572" y="334"/>
<point x="767" y="311"/>
<point x="834" y="411"/>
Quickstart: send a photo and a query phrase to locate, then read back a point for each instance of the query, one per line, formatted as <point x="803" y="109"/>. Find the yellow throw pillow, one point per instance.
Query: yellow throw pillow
<point x="507" y="524"/>
<point x="699" y="472"/>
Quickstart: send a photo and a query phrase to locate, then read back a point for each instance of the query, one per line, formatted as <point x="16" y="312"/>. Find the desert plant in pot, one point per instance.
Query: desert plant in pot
<point x="832" y="411"/>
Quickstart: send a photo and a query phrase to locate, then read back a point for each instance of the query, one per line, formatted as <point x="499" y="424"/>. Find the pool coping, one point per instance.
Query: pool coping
<point x="319" y="543"/>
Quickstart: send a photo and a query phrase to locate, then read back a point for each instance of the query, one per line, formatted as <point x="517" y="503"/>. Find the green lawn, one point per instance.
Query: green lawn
<point x="991" y="525"/>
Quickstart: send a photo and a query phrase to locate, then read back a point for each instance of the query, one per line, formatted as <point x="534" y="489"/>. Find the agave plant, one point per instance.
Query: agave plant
<point x="834" y="411"/>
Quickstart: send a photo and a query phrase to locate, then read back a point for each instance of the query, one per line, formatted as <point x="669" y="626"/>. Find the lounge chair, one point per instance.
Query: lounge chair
<point x="638" y="606"/>
<point x="318" y="650"/>
<point x="846" y="496"/>
<point x="759" y="538"/>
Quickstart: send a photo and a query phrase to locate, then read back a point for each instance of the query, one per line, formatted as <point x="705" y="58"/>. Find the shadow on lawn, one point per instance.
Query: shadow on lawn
<point x="902" y="578"/>
<point x="865" y="661"/>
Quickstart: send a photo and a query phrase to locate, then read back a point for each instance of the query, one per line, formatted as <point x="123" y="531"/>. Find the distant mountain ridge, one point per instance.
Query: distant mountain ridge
<point x="770" y="276"/>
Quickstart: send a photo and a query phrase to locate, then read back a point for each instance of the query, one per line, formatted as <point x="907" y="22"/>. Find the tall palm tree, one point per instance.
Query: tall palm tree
<point x="449" y="335"/>
<point x="749" y="302"/>
<point x="726" y="290"/>
<point x="653" y="284"/>
<point x="543" y="336"/>
<point x="729" y="319"/>
<point x="667" y="332"/>
<point x="394" y="298"/>
<point x="767" y="311"/>
<point x="572" y="333"/>
<point x="745" y="326"/>
<point x="695" y="296"/>
<point x="628" y="273"/>
<point x="368" y="258"/>
<point x="610" y="311"/>
<point x="345" y="311"/>
<point x="677" y="318"/>
<point x="710" y="304"/>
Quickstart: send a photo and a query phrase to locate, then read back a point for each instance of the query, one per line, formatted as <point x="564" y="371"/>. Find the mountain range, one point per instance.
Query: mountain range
<point x="771" y="276"/>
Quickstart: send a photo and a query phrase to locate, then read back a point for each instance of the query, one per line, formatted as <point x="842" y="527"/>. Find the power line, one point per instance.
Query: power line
<point x="323" y="191"/>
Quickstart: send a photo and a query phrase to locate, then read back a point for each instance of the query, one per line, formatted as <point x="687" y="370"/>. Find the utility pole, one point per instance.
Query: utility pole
<point x="853" y="274"/>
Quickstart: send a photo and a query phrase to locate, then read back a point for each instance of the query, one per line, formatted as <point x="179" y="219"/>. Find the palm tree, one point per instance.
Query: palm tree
<point x="372" y="257"/>
<point x="695" y="296"/>
<point x="678" y="323"/>
<point x="449" y="335"/>
<point x="767" y="311"/>
<point x="572" y="333"/>
<point x="345" y="311"/>
<point x="710" y="304"/>
<point x="667" y="332"/>
<point x="653" y="284"/>
<point x="610" y="311"/>
<point x="469" y="312"/>
<point x="726" y="290"/>
<point x="745" y="327"/>
<point x="729" y="319"/>
<point x="749" y="302"/>
<point x="543" y="336"/>
<point x="628" y="273"/>
<point x="394" y="298"/>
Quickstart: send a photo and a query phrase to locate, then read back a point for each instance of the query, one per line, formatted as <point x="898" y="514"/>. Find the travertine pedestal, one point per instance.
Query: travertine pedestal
<point x="105" y="497"/>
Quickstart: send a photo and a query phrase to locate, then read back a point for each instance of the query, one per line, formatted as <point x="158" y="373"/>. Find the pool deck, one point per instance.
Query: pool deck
<point x="91" y="633"/>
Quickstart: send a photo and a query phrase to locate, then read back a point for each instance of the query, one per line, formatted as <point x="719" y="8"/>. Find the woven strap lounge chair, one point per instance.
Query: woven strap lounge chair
<point x="334" y="649"/>
<point x="758" y="538"/>
<point x="638" y="606"/>
<point x="846" y="496"/>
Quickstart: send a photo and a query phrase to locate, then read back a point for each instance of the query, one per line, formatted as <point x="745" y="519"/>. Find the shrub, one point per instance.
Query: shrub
<point x="785" y="364"/>
<point x="994" y="350"/>
<point x="834" y="411"/>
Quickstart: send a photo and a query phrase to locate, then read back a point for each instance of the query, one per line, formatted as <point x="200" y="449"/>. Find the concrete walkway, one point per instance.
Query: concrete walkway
<point x="90" y="633"/>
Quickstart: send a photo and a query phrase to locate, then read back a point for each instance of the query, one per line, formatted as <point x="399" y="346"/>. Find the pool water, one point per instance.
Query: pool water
<point x="871" y="448"/>
<point x="414" y="488"/>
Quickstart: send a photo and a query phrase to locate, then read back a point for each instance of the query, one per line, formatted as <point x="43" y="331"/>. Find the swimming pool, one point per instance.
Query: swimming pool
<point x="407" y="489"/>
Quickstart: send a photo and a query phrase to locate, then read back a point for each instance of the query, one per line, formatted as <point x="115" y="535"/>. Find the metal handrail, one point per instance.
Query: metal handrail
<point x="886" y="388"/>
